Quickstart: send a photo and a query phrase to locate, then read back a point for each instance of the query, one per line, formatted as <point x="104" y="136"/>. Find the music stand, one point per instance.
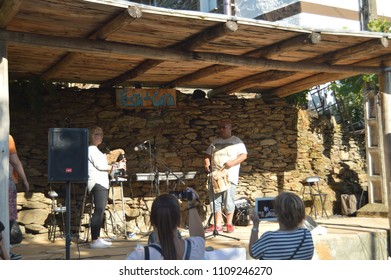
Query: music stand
<point x="211" y="191"/>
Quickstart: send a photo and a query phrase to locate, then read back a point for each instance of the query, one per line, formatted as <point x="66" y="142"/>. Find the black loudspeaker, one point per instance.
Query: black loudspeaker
<point x="68" y="155"/>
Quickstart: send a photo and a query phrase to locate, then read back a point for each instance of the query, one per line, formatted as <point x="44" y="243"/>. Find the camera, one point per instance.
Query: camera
<point x="184" y="195"/>
<point x="265" y="208"/>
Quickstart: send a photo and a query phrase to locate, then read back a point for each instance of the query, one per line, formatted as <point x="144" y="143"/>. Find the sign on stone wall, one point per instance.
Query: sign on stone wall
<point x="127" y="98"/>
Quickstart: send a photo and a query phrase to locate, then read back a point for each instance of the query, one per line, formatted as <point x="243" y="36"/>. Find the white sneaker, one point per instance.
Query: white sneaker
<point x="106" y="241"/>
<point x="99" y="244"/>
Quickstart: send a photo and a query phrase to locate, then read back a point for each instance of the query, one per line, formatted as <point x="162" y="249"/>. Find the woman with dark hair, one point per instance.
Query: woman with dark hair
<point x="165" y="219"/>
<point x="290" y="241"/>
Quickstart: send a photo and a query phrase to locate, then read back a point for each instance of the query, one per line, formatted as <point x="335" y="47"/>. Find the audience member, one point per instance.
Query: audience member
<point x="165" y="219"/>
<point x="290" y="241"/>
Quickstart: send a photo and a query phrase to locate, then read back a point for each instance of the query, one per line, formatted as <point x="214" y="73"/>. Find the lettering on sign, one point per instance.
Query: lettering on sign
<point x="136" y="98"/>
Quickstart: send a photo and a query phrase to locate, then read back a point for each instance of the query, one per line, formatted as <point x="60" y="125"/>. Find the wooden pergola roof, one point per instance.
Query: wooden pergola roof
<point x="120" y="43"/>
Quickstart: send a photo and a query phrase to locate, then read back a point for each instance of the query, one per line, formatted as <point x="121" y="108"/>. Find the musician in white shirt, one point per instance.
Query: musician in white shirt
<point x="98" y="185"/>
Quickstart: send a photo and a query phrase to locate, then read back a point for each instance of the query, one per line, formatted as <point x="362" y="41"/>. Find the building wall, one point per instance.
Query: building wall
<point x="313" y="14"/>
<point x="310" y="14"/>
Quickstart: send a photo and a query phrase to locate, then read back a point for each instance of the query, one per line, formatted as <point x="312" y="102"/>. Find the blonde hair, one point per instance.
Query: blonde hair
<point x="93" y="130"/>
<point x="290" y="209"/>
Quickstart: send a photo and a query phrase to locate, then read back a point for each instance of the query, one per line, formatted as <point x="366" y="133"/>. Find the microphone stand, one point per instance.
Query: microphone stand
<point x="212" y="193"/>
<point x="156" y="180"/>
<point x="151" y="236"/>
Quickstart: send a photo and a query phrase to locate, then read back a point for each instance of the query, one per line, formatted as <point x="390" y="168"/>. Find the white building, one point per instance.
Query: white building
<point x="312" y="14"/>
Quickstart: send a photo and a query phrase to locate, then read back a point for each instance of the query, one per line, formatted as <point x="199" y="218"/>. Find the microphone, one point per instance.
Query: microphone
<point x="141" y="146"/>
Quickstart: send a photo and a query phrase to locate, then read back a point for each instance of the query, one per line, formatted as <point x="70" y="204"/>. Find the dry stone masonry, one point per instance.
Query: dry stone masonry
<point x="285" y="146"/>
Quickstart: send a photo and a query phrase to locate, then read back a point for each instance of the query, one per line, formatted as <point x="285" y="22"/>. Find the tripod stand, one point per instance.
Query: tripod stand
<point x="212" y="195"/>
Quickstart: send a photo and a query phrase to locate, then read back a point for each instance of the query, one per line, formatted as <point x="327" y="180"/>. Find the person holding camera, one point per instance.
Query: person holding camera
<point x="165" y="219"/>
<point x="98" y="185"/>
<point x="290" y="241"/>
<point x="225" y="152"/>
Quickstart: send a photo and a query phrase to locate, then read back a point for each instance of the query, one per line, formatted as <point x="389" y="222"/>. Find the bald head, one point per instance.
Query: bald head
<point x="225" y="128"/>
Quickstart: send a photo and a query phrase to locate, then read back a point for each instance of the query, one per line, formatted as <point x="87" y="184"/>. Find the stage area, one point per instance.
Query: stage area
<point x="337" y="238"/>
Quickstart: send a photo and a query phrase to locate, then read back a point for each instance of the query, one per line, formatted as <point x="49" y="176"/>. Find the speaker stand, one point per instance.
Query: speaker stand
<point x="68" y="222"/>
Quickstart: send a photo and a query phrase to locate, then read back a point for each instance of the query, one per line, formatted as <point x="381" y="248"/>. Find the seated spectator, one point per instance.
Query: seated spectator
<point x="290" y="241"/>
<point x="165" y="219"/>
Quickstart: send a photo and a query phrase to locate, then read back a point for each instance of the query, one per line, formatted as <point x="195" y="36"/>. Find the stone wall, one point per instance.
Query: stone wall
<point x="285" y="145"/>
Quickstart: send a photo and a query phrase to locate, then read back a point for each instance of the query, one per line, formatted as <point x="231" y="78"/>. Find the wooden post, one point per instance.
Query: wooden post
<point x="368" y="12"/>
<point x="4" y="149"/>
<point x="385" y="91"/>
<point x="227" y="7"/>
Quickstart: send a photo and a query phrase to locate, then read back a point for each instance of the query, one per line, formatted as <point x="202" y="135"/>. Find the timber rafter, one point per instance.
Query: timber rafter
<point x="116" y="24"/>
<point x="268" y="52"/>
<point x="189" y="45"/>
<point x="110" y="43"/>
<point x="92" y="46"/>
<point x="8" y="9"/>
<point x="335" y="58"/>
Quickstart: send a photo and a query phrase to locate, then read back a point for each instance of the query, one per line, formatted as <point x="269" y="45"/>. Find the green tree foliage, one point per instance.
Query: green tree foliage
<point x="379" y="25"/>
<point x="350" y="90"/>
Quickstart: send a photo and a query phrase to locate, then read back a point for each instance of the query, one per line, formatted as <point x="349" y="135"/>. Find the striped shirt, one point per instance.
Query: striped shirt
<point x="281" y="245"/>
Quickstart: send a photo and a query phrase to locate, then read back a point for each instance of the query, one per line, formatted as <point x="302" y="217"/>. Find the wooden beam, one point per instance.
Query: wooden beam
<point x="211" y="34"/>
<point x="119" y="22"/>
<point x="102" y="47"/>
<point x="271" y="51"/>
<point x="192" y="43"/>
<point x="335" y="57"/>
<point x="8" y="9"/>
<point x="135" y="72"/>
<point x="249" y="81"/>
<point x="359" y="50"/>
<point x="205" y="72"/>
<point x="309" y="82"/>
<point x="276" y="50"/>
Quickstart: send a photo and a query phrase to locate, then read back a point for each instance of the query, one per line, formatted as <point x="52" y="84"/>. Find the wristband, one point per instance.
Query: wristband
<point x="255" y="229"/>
